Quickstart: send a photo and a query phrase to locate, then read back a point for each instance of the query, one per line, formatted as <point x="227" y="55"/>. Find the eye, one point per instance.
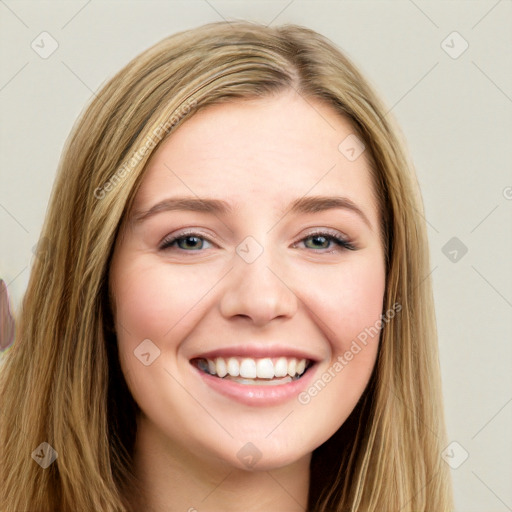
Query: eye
<point x="186" y="242"/>
<point x="323" y="240"/>
<point x="318" y="241"/>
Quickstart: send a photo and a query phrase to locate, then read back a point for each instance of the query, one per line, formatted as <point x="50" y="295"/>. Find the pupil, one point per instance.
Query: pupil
<point x="319" y="240"/>
<point x="188" y="239"/>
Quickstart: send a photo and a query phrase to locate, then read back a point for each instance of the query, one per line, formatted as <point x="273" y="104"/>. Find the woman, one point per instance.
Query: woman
<point x="232" y="311"/>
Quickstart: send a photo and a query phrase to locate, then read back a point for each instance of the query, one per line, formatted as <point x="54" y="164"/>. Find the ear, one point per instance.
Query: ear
<point x="6" y="319"/>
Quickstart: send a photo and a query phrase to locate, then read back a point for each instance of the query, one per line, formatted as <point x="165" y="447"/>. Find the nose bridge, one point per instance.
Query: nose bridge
<point x="256" y="288"/>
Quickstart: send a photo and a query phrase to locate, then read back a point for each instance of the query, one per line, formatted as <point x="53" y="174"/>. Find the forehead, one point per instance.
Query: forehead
<point x="260" y="153"/>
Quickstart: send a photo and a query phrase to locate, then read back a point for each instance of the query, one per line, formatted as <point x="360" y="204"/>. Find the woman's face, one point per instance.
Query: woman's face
<point x="230" y="262"/>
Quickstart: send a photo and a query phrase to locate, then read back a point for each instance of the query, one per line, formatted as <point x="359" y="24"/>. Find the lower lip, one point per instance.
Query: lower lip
<point x="258" y="395"/>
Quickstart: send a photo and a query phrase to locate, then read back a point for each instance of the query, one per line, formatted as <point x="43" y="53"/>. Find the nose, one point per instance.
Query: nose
<point x="258" y="292"/>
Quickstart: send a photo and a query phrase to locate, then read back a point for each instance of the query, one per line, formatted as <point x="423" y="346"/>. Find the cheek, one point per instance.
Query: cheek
<point x="154" y="300"/>
<point x="158" y="303"/>
<point x="348" y="304"/>
<point x="349" y="301"/>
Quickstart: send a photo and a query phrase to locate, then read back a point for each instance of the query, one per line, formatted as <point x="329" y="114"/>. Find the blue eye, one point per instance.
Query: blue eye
<point x="321" y="241"/>
<point x="188" y="242"/>
<point x="324" y="240"/>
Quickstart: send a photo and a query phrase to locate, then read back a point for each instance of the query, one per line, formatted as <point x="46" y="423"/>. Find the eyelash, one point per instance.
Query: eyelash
<point x="330" y="236"/>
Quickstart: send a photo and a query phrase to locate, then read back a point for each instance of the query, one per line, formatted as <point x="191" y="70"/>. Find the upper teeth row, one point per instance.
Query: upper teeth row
<point x="249" y="368"/>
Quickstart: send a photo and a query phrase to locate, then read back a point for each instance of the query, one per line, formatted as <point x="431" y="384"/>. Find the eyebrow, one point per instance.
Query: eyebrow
<point x="310" y="204"/>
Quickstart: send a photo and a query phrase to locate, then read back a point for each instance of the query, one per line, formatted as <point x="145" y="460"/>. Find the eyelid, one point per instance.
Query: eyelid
<point x="343" y="241"/>
<point x="168" y="239"/>
<point x="325" y="231"/>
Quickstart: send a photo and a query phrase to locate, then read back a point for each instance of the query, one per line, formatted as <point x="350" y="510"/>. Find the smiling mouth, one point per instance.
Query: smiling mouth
<point x="264" y="371"/>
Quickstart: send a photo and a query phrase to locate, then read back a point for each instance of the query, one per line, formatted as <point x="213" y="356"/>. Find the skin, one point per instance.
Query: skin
<point x="258" y="155"/>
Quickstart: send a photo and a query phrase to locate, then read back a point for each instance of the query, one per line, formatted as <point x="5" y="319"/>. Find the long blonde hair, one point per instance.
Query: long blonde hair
<point x="61" y="382"/>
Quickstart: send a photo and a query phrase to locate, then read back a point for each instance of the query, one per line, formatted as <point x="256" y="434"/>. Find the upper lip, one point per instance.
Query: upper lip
<point x="256" y="352"/>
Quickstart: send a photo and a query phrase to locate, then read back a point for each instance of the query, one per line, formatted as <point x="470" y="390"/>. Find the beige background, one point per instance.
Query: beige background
<point x="455" y="110"/>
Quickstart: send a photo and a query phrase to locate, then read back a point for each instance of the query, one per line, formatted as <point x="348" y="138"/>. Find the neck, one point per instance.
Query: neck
<point x="174" y="479"/>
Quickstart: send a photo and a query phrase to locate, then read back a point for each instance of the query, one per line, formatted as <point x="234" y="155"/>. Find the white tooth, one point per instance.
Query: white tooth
<point x="248" y="368"/>
<point x="301" y="366"/>
<point x="221" y="367"/>
<point x="265" y="368"/>
<point x="292" y="366"/>
<point x="281" y="367"/>
<point x="269" y="382"/>
<point x="211" y="366"/>
<point x="233" y="367"/>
